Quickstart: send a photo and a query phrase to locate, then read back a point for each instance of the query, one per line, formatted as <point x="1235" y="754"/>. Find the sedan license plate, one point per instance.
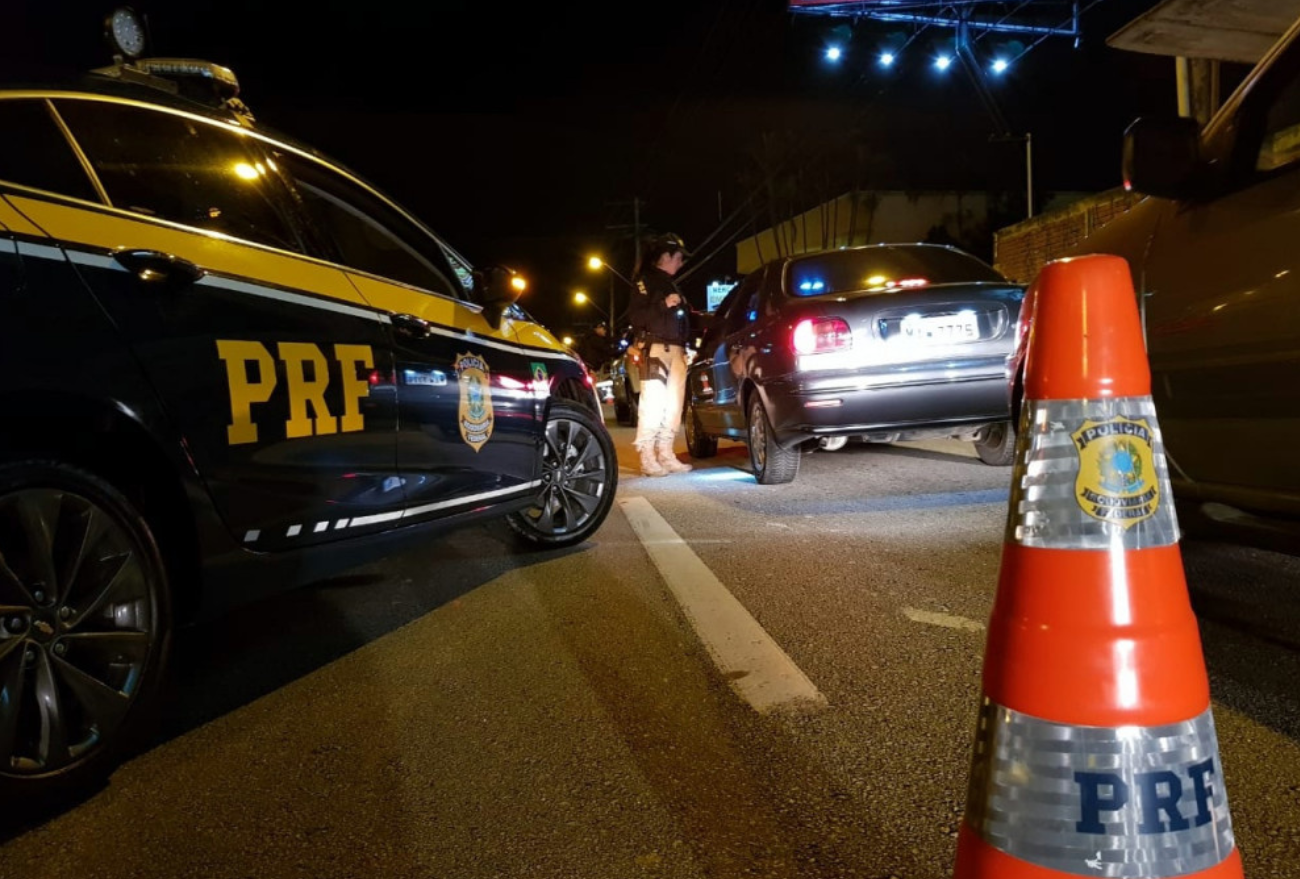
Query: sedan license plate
<point x="940" y="329"/>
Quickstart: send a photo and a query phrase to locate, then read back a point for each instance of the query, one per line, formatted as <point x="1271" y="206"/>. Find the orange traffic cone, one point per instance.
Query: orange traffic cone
<point x="1095" y="753"/>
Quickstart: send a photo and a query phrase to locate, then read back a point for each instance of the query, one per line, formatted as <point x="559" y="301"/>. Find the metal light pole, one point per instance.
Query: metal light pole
<point x="1029" y="165"/>
<point x="613" y="331"/>
<point x="594" y="263"/>
<point x="1029" y="172"/>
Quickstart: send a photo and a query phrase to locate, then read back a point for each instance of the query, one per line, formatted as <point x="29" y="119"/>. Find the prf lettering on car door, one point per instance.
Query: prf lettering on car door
<point x="307" y="374"/>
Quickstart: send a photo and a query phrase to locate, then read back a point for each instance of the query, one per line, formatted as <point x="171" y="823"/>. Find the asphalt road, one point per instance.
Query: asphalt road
<point x="471" y="710"/>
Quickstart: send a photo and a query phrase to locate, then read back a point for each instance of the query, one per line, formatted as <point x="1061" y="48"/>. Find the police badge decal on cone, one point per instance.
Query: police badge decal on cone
<point x="1095" y="752"/>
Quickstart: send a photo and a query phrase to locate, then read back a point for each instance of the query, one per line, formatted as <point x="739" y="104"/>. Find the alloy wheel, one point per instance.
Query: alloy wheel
<point x="78" y="624"/>
<point x="576" y="484"/>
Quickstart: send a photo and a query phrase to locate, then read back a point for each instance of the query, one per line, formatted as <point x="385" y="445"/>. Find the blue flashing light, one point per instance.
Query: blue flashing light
<point x="943" y="62"/>
<point x="834" y="53"/>
<point x="1000" y="65"/>
<point x="886" y="59"/>
<point x="810" y="287"/>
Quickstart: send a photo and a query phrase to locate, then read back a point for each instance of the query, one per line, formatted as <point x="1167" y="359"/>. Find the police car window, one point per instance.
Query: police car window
<point x="177" y="168"/>
<point x="367" y="233"/>
<point x="35" y="153"/>
<point x="462" y="269"/>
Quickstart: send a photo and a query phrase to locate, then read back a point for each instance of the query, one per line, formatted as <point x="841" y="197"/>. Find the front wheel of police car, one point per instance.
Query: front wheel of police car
<point x="84" y="629"/>
<point x="579" y="477"/>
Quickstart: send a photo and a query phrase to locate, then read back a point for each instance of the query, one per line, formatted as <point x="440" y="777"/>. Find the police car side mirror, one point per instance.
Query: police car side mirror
<point x="496" y="288"/>
<point x="1162" y="157"/>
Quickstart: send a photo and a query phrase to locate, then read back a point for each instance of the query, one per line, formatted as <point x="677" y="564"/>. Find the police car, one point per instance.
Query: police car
<point x="230" y="366"/>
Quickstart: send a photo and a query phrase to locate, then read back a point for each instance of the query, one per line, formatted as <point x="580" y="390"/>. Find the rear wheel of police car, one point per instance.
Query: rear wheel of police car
<point x="698" y="443"/>
<point x="772" y="464"/>
<point x="579" y="477"/>
<point x="84" y="629"/>
<point x="996" y="444"/>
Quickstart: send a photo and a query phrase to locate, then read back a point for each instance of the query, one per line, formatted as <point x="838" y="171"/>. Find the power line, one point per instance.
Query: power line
<point x="984" y="94"/>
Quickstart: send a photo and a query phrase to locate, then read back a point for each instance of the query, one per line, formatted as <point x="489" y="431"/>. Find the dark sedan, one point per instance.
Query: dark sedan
<point x="882" y="343"/>
<point x="1216" y="270"/>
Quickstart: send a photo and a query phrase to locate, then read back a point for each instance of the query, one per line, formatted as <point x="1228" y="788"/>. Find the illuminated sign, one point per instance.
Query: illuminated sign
<point x="717" y="291"/>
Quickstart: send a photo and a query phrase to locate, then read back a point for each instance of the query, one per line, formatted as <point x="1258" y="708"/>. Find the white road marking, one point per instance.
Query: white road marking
<point x="756" y="667"/>
<point x="942" y="619"/>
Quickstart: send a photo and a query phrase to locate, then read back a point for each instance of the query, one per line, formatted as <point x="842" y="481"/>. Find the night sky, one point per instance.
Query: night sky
<point x="523" y="136"/>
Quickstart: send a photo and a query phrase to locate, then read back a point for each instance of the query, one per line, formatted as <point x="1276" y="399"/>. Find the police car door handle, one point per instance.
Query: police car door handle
<point x="157" y="268"/>
<point x="410" y="325"/>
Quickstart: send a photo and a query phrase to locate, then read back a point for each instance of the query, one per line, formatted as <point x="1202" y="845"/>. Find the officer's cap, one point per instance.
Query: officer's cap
<point x="667" y="243"/>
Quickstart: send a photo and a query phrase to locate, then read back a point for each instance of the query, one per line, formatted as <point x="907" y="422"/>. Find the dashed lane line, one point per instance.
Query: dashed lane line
<point x="942" y="619"/>
<point x="753" y="664"/>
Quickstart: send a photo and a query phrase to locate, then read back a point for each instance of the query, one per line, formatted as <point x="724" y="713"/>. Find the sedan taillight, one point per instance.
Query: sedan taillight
<point x="820" y="335"/>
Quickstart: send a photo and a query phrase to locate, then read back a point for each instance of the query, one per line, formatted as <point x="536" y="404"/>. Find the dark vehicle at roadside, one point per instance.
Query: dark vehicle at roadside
<point x="625" y="382"/>
<point x="232" y="366"/>
<point x="1214" y="253"/>
<point x="880" y="343"/>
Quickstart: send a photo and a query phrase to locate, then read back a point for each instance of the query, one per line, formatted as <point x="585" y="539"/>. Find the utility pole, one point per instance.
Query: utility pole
<point x="635" y="230"/>
<point x="1003" y="133"/>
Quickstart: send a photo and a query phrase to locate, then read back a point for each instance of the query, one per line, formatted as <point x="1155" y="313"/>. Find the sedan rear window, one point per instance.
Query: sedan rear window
<point x="884" y="268"/>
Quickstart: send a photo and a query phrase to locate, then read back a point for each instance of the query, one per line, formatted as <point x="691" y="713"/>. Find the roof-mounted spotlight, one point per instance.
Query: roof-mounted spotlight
<point x="1000" y="65"/>
<point x="886" y="59"/>
<point x="834" y="53"/>
<point x="125" y="31"/>
<point x="942" y="62"/>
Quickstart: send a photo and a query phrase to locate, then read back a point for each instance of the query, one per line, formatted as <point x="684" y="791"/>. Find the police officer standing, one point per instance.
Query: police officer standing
<point x="661" y="321"/>
<point x="596" y="348"/>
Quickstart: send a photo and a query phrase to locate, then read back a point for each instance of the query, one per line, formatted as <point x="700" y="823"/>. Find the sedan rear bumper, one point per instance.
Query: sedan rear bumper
<point x="802" y="407"/>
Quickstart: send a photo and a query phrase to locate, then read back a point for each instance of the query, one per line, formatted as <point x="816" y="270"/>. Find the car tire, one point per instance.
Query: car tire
<point x="698" y="443"/>
<point x="579" y="478"/>
<point x="832" y="443"/>
<point x="996" y="444"/>
<point x="622" y="415"/>
<point x="772" y="464"/>
<point x="82" y="658"/>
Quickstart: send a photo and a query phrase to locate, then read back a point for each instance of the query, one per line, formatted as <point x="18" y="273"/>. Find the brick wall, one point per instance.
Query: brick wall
<point x="1019" y="251"/>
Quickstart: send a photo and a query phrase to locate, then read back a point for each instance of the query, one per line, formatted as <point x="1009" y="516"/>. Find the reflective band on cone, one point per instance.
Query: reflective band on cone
<point x="1125" y="801"/>
<point x="1095" y="752"/>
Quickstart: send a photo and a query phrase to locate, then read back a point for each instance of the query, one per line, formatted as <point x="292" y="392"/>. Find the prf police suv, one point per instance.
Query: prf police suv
<point x="231" y="365"/>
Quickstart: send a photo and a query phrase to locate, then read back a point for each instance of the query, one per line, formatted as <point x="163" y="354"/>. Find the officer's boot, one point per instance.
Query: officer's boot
<point x="668" y="458"/>
<point x="650" y="465"/>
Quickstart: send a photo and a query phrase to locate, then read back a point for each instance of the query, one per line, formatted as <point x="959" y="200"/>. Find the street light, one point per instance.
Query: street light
<point x="583" y="299"/>
<point x="595" y="263"/>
